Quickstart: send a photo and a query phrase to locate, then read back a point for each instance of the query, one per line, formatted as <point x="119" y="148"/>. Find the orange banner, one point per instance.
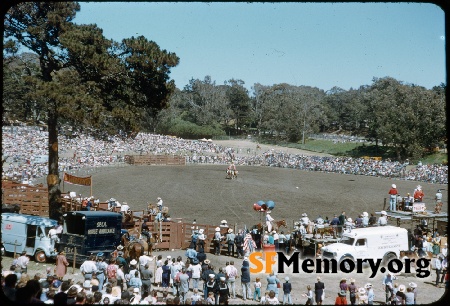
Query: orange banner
<point x="84" y="181"/>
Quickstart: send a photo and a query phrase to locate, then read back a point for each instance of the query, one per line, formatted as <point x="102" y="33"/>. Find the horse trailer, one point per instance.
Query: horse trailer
<point x="90" y="232"/>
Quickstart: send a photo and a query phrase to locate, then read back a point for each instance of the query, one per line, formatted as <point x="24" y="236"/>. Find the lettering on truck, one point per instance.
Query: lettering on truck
<point x="389" y="246"/>
<point x="97" y="231"/>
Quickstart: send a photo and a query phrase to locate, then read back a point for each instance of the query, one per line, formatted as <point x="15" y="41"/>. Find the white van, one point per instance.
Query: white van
<point x="382" y="242"/>
<point x="28" y="233"/>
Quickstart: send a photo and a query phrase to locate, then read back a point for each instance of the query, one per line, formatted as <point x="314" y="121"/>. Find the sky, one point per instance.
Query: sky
<point x="313" y="44"/>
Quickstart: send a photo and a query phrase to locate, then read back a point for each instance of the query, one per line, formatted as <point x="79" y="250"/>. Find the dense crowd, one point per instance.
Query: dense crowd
<point x="21" y="147"/>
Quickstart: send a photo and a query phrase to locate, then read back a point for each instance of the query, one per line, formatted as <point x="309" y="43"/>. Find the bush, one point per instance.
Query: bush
<point x="189" y="130"/>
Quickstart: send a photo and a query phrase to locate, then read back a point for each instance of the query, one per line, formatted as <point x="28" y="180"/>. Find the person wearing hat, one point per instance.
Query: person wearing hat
<point x="418" y="194"/>
<point x="249" y="245"/>
<point x="365" y="219"/>
<point x="393" y="197"/>
<point x="287" y="288"/>
<point x="352" y="289"/>
<point x="269" y="221"/>
<point x="388" y="285"/>
<point x="159" y="203"/>
<point x="72" y="294"/>
<point x="223" y="223"/>
<point x="438" y="198"/>
<point x="146" y="276"/>
<point x="201" y="240"/>
<point x="212" y="286"/>
<point x="22" y="262"/>
<point x="206" y="272"/>
<point x="120" y="260"/>
<point x="370" y="294"/>
<point x="444" y="250"/>
<point x="409" y="296"/>
<point x="382" y="221"/>
<point x="223" y="291"/>
<point x="239" y="243"/>
<point x="87" y="286"/>
<point x="319" y="288"/>
<point x="217" y="240"/>
<point x="230" y="242"/>
<point x="400" y="296"/>
<point x="61" y="265"/>
<point x="409" y="200"/>
<point x="349" y="225"/>
<point x="341" y="299"/>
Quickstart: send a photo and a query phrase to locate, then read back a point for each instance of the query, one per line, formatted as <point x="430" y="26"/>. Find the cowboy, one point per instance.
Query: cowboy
<point x="239" y="242"/>
<point x="145" y="232"/>
<point x="382" y="221"/>
<point x="230" y="241"/>
<point x="159" y="203"/>
<point x="88" y="267"/>
<point x="217" y="239"/>
<point x="201" y="239"/>
<point x="223" y="223"/>
<point x="269" y="221"/>
<point x="393" y="197"/>
<point x="418" y="194"/>
<point x="438" y="198"/>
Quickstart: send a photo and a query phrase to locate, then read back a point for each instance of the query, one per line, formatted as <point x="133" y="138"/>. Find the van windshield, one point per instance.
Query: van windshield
<point x="347" y="240"/>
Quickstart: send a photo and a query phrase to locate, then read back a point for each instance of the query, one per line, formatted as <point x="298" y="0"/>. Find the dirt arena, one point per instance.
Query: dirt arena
<point x="201" y="192"/>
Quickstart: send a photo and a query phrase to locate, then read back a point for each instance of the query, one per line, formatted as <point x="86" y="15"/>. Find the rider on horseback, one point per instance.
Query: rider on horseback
<point x="145" y="232"/>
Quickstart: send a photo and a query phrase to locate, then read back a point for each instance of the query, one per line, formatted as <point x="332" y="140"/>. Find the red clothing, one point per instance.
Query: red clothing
<point x="418" y="194"/>
<point x="341" y="300"/>
<point x="393" y="191"/>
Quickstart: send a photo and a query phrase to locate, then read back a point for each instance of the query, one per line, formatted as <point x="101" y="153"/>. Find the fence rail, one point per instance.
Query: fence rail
<point x="155" y="160"/>
<point x="33" y="200"/>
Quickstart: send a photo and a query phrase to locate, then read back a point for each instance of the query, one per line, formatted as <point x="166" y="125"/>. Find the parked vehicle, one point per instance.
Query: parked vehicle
<point x="28" y="233"/>
<point x="90" y="232"/>
<point x="383" y="242"/>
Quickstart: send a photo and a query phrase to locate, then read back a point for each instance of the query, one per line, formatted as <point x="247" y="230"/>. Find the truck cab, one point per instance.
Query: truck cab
<point x="28" y="233"/>
<point x="383" y="242"/>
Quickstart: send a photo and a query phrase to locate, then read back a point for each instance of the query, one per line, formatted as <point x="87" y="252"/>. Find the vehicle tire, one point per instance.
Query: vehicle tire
<point x="39" y="256"/>
<point x="389" y="257"/>
<point x="346" y="265"/>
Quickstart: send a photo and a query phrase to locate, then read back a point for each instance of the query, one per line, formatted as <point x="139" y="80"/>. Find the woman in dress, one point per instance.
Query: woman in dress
<point x="165" y="276"/>
<point x="61" y="265"/>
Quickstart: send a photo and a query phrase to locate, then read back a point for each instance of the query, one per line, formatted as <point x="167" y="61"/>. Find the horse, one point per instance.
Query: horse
<point x="231" y="174"/>
<point x="277" y="225"/>
<point x="134" y="246"/>
<point x="326" y="230"/>
<point x="415" y="255"/>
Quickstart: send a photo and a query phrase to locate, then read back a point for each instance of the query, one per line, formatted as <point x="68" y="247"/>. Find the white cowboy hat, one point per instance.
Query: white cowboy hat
<point x="268" y="212"/>
<point x="419" y="187"/>
<point x="223" y="221"/>
<point x="133" y="262"/>
<point x="115" y="292"/>
<point x="286" y="278"/>
<point x="383" y="212"/>
<point x="207" y="261"/>
<point x="158" y="198"/>
<point x="296" y="223"/>
<point x="394" y="186"/>
<point x="217" y="229"/>
<point x="274" y="232"/>
<point x="120" y="247"/>
<point x="211" y="275"/>
<point x="368" y="285"/>
<point x="230" y="230"/>
<point x="365" y="214"/>
<point x="361" y="291"/>
<point x="402" y="288"/>
<point x="169" y="257"/>
<point x="413" y="285"/>
<point x="352" y="280"/>
<point x="349" y="220"/>
<point x="201" y="231"/>
<point x="222" y="278"/>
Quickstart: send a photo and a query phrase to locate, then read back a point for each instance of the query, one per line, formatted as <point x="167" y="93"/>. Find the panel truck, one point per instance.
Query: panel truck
<point x="28" y="233"/>
<point x="382" y="242"/>
<point x="90" y="232"/>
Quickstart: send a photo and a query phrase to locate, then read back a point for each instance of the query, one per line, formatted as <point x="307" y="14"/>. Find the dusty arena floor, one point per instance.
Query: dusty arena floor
<point x="203" y="193"/>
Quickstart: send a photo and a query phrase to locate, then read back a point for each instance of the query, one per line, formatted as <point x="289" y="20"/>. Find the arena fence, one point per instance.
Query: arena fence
<point x="155" y="160"/>
<point x="33" y="200"/>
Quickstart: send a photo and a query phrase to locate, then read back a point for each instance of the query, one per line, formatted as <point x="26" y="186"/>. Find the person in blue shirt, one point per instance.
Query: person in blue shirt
<point x="287" y="288"/>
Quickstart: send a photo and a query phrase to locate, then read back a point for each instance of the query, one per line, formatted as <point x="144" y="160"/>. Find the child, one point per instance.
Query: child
<point x="257" y="293"/>
<point x="265" y="297"/>
<point x="287" y="291"/>
<point x="309" y="295"/>
<point x="195" y="297"/>
<point x="211" y="300"/>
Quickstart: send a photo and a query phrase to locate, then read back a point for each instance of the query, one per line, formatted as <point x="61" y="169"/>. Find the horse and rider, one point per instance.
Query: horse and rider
<point x="231" y="171"/>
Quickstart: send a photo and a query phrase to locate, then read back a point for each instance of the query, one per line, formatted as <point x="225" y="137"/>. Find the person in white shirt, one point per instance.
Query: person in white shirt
<point x="444" y="250"/>
<point x="143" y="260"/>
<point x="88" y="267"/>
<point x="53" y="235"/>
<point x="269" y="221"/>
<point x="125" y="207"/>
<point x="159" y="203"/>
<point x="196" y="271"/>
<point x="382" y="221"/>
<point x="231" y="273"/>
<point x="23" y="261"/>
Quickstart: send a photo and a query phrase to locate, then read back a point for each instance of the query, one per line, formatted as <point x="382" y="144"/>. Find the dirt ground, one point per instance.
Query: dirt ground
<point x="201" y="192"/>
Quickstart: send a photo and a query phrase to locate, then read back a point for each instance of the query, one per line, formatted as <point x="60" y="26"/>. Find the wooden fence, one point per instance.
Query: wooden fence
<point x="155" y="160"/>
<point x="33" y="200"/>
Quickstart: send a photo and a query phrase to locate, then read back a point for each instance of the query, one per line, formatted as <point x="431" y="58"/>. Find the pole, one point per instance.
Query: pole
<point x="91" y="185"/>
<point x="74" y="259"/>
<point x="64" y="175"/>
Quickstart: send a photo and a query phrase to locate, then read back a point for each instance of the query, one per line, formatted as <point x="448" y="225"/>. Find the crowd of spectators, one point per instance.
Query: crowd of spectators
<point x="22" y="146"/>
